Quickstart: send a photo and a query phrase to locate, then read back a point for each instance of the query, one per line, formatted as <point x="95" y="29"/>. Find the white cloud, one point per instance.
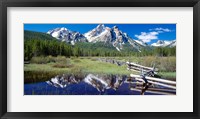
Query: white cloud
<point x="153" y="35"/>
<point x="147" y="36"/>
<point x="161" y="30"/>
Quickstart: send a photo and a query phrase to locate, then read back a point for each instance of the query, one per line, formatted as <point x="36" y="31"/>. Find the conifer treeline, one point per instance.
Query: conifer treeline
<point x="55" y="48"/>
<point x="42" y="44"/>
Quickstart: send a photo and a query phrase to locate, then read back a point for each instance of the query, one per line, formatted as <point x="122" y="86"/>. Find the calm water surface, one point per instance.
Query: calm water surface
<point x="93" y="85"/>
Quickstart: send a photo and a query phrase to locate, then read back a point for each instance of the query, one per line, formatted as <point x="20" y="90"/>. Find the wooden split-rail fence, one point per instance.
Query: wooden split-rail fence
<point x="147" y="76"/>
<point x="136" y="67"/>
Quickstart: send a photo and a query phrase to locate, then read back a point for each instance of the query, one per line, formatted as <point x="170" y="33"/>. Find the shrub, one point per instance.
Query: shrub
<point x="62" y="62"/>
<point x="168" y="64"/>
<point x="164" y="64"/>
<point x="39" y="60"/>
<point x="77" y="60"/>
<point x="93" y="59"/>
<point x="58" y="65"/>
<point x="60" y="59"/>
<point x="49" y="59"/>
<point x="77" y="70"/>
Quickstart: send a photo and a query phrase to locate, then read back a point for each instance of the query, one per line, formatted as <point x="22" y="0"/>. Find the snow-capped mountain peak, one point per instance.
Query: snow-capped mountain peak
<point x="94" y="34"/>
<point x="105" y="34"/>
<point x="100" y="27"/>
<point x="57" y="32"/>
<point x="164" y="43"/>
<point x="102" y="33"/>
<point x="66" y="35"/>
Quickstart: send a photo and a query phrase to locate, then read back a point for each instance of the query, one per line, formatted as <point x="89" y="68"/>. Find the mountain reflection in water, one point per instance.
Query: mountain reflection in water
<point x="99" y="82"/>
<point x="94" y="85"/>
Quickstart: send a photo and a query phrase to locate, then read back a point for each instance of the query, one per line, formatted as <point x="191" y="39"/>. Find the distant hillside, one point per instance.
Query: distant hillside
<point x="102" y="48"/>
<point x="32" y="35"/>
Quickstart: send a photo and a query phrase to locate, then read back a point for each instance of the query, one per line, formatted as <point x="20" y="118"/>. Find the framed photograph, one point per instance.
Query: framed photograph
<point x="102" y="59"/>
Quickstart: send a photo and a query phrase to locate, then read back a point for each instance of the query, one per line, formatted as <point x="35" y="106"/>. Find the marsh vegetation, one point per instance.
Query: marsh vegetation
<point x="43" y="68"/>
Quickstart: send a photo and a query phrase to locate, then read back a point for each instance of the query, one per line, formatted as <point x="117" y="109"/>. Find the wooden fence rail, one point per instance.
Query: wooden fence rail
<point x="135" y="65"/>
<point x="145" y="77"/>
<point x="155" y="79"/>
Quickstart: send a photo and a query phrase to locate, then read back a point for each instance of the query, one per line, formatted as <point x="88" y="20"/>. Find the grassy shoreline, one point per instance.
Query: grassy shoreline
<point x="46" y="68"/>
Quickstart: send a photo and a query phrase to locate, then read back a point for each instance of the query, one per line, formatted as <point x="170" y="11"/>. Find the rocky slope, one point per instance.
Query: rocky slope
<point x="66" y="35"/>
<point x="105" y="34"/>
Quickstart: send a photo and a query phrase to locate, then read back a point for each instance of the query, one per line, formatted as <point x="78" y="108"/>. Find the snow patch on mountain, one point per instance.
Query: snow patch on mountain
<point x="141" y="42"/>
<point x="110" y="35"/>
<point x="66" y="35"/>
<point x="105" y="34"/>
<point x="164" y="43"/>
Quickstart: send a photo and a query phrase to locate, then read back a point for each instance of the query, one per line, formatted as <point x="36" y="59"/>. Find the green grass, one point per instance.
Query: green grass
<point x="52" y="66"/>
<point x="168" y="75"/>
<point x="164" y="64"/>
<point x="87" y="66"/>
<point x="78" y="66"/>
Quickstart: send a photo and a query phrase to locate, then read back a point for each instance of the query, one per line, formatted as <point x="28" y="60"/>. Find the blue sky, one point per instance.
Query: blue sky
<point x="148" y="33"/>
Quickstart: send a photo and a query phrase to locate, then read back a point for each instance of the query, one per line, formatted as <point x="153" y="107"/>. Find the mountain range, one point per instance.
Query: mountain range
<point x="163" y="43"/>
<point x="106" y="35"/>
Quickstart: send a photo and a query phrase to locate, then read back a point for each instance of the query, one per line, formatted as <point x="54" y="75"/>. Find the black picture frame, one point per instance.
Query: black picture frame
<point x="4" y="4"/>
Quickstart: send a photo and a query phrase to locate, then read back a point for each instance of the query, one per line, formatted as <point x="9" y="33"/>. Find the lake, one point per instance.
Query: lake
<point x="93" y="84"/>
